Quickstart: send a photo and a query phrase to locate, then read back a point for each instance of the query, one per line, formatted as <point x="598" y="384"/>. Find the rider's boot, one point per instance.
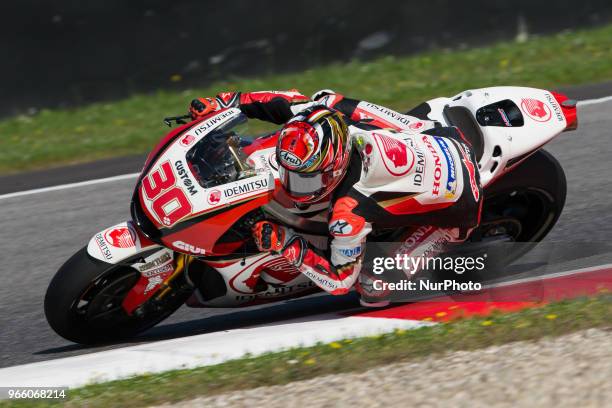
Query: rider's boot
<point x="369" y="296"/>
<point x="374" y="304"/>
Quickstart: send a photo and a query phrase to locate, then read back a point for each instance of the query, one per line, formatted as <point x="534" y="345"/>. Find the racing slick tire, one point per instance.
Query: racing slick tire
<point x="520" y="208"/>
<point x="83" y="302"/>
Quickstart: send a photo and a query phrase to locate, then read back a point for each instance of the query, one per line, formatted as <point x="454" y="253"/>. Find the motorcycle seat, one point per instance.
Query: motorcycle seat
<point x="463" y="119"/>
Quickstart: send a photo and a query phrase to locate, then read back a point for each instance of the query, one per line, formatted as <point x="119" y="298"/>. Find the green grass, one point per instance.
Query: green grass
<point x="345" y="356"/>
<point x="133" y="125"/>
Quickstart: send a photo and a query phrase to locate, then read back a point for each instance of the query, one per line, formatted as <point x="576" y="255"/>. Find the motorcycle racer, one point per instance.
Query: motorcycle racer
<point x="377" y="167"/>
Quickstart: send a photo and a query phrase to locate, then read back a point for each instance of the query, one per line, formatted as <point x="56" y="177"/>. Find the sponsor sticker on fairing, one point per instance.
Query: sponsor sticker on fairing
<point x="214" y="197"/>
<point x="451" y="181"/>
<point x="120" y="237"/>
<point x="186" y="140"/>
<point x="536" y="109"/>
<point x="246" y="187"/>
<point x="153" y="283"/>
<point x="104" y="250"/>
<point x="414" y="239"/>
<point x="276" y="291"/>
<point x="158" y="271"/>
<point x="555" y="105"/>
<point x="155" y="263"/>
<point x="185" y="178"/>
<point x="504" y="117"/>
<point x="215" y="121"/>
<point x="465" y="152"/>
<point x="155" y="269"/>
<point x="185" y="247"/>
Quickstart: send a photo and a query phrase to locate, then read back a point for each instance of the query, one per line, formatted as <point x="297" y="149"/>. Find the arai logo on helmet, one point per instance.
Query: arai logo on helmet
<point x="289" y="159"/>
<point x="536" y="110"/>
<point x="183" y="246"/>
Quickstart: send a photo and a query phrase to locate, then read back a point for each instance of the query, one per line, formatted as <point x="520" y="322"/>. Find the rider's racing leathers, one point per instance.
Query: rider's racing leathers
<point x="404" y="171"/>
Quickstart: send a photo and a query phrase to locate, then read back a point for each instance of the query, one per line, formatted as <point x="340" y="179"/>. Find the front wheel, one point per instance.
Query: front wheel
<point x="84" y="300"/>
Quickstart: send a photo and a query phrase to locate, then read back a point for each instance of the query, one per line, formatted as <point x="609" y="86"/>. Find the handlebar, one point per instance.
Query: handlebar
<point x="179" y="120"/>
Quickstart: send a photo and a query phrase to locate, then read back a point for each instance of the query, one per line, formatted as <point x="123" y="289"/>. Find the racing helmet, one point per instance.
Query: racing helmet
<point x="313" y="152"/>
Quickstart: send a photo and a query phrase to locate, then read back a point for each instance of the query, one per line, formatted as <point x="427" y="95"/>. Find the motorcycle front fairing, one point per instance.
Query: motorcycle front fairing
<point x="192" y="193"/>
<point x="170" y="198"/>
<point x="186" y="200"/>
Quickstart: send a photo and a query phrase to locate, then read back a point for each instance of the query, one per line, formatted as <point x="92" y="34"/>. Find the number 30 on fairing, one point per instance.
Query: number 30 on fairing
<point x="170" y="204"/>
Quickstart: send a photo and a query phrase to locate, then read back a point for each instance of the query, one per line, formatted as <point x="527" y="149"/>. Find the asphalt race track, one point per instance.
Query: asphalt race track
<point x="40" y="231"/>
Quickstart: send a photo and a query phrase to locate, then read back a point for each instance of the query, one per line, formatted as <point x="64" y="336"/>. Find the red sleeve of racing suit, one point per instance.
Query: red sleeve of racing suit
<point x="372" y="114"/>
<point x="270" y="106"/>
<point x="339" y="273"/>
<point x="280" y="106"/>
<point x="340" y="103"/>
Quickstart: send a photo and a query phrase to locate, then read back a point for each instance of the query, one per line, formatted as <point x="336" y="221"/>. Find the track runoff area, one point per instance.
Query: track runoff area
<point x="217" y="347"/>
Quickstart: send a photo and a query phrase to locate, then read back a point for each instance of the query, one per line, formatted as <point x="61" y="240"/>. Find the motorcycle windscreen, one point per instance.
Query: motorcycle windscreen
<point x="211" y="160"/>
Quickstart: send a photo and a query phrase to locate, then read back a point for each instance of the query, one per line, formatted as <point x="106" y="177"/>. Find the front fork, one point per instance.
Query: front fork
<point x="154" y="291"/>
<point x="180" y="266"/>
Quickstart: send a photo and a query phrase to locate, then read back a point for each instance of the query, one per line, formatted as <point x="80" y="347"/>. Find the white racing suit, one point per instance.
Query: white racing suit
<point x="404" y="171"/>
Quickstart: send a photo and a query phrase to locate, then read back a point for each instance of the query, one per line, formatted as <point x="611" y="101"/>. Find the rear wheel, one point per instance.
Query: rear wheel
<point x="526" y="203"/>
<point x="519" y="210"/>
<point x="84" y="300"/>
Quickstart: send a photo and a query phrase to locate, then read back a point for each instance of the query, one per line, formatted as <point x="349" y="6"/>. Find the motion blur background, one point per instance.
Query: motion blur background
<point x="65" y="53"/>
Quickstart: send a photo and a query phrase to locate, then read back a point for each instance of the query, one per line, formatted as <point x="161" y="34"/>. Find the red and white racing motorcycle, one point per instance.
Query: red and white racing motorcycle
<point x="203" y="187"/>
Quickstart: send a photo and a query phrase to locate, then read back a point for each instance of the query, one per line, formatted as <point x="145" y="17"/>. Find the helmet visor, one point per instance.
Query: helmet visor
<point x="305" y="184"/>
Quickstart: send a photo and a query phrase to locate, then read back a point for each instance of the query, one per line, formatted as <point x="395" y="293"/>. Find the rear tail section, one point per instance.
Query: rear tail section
<point x="568" y="107"/>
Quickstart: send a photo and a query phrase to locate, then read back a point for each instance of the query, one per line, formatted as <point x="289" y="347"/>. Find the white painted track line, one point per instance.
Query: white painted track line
<point x="134" y="175"/>
<point x="548" y="276"/>
<point x="196" y="351"/>
<point x="71" y="185"/>
<point x="595" y="101"/>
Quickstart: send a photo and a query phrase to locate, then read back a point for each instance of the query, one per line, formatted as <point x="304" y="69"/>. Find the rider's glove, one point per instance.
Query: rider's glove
<point x="202" y="106"/>
<point x="271" y="237"/>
